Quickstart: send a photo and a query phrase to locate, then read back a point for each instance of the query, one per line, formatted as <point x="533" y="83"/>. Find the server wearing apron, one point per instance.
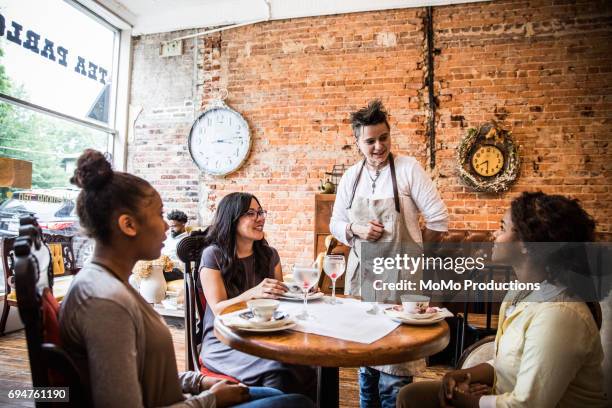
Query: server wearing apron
<point x="379" y="200"/>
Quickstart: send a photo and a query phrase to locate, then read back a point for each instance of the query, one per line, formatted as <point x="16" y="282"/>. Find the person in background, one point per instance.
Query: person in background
<point x="177" y="221"/>
<point x="548" y="351"/>
<point x="119" y="343"/>
<point x="379" y="201"/>
<point x="239" y="265"/>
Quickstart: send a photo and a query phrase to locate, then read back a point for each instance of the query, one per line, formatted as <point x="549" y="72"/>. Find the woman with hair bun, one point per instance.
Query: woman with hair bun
<point x="548" y="351"/>
<point x="120" y="344"/>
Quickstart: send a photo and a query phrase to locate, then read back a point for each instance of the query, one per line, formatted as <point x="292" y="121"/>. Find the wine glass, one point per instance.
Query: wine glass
<point x="334" y="266"/>
<point x="306" y="276"/>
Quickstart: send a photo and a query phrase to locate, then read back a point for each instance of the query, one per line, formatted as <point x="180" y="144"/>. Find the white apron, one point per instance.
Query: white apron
<point x="401" y="220"/>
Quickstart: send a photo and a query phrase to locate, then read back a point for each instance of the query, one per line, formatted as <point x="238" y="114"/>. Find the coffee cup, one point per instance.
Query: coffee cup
<point x="414" y="303"/>
<point x="263" y="309"/>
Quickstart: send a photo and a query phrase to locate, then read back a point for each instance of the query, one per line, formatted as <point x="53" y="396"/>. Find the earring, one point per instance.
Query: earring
<point x="524" y="251"/>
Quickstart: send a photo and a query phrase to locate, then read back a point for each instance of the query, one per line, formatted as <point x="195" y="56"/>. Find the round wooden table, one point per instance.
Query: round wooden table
<point x="405" y="343"/>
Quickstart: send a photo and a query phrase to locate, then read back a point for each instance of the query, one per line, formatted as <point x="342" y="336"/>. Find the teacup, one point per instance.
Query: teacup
<point x="413" y="303"/>
<point x="263" y="309"/>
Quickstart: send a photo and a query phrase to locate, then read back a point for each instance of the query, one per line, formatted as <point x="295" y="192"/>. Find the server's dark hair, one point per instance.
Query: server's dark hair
<point x="177" y="215"/>
<point x="541" y="218"/>
<point x="105" y="193"/>
<point x="373" y="114"/>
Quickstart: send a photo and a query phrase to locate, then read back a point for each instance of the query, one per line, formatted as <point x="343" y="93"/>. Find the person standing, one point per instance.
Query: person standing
<point x="378" y="201"/>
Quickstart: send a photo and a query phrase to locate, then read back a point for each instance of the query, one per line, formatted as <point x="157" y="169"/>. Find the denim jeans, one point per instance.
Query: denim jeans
<point x="378" y="389"/>
<point x="265" y="397"/>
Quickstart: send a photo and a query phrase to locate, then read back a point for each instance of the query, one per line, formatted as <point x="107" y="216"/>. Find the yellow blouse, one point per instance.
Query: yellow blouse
<point x="547" y="354"/>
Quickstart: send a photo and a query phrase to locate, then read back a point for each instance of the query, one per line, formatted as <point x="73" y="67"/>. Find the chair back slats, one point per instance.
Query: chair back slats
<point x="189" y="251"/>
<point x="8" y="259"/>
<point x="67" y="252"/>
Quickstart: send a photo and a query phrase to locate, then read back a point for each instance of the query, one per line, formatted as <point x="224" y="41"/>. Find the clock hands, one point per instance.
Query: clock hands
<point x="485" y="162"/>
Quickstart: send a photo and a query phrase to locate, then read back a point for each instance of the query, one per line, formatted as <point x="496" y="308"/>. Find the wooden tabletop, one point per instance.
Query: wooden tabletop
<point x="405" y="343"/>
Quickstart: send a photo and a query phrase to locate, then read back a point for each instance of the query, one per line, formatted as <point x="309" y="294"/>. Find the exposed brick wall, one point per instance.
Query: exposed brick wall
<point x="541" y="68"/>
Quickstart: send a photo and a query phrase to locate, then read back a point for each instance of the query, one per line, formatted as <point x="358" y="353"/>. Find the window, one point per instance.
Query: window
<point x="59" y="77"/>
<point x="59" y="57"/>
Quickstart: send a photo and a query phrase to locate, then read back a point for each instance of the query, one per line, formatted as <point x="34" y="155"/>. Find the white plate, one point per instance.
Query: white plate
<point x="287" y="326"/>
<point x="401" y="318"/>
<point x="300" y="297"/>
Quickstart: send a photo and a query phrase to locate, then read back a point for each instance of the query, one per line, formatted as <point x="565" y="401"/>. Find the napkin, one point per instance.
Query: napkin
<point x="235" y="321"/>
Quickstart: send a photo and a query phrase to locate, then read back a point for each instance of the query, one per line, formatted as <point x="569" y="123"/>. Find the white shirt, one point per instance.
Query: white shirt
<point x="169" y="249"/>
<point x="411" y="181"/>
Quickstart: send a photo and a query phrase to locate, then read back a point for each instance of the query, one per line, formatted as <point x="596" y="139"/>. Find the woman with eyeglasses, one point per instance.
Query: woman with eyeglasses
<point x="118" y="341"/>
<point x="238" y="265"/>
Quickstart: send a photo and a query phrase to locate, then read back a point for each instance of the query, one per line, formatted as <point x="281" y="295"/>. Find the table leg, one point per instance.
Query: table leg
<point x="328" y="387"/>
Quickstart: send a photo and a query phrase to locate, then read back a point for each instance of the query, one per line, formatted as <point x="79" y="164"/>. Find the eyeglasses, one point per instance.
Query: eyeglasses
<point x="256" y="214"/>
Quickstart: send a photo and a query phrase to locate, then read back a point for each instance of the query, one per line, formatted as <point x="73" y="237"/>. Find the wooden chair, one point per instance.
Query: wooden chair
<point x="10" y="298"/>
<point x="63" y="264"/>
<point x="479" y="315"/>
<point x="50" y="365"/>
<point x="189" y="250"/>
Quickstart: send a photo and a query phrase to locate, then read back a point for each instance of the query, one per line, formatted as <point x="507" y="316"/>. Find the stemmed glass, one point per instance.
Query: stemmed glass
<point x="334" y="266"/>
<point x="306" y="276"/>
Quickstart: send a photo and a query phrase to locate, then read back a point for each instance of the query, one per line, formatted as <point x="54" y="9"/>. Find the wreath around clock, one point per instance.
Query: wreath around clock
<point x="488" y="135"/>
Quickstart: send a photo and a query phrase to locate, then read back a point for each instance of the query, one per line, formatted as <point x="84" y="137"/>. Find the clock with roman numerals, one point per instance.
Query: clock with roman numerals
<point x="219" y="140"/>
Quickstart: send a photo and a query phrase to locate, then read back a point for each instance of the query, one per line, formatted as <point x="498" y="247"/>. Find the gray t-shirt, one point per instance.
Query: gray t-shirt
<point x="216" y="355"/>
<point x="122" y="346"/>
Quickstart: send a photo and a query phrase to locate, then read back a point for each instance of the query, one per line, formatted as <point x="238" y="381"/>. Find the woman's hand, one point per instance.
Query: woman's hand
<point x="370" y="232"/>
<point x="451" y="382"/>
<point x="268" y="289"/>
<point x="464" y="398"/>
<point x="228" y="395"/>
<point x="207" y="382"/>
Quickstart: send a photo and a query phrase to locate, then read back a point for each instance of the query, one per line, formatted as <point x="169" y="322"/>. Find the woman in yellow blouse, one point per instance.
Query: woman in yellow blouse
<point x="548" y="351"/>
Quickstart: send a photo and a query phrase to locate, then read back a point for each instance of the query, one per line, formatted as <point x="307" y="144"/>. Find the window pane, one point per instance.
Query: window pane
<point x="51" y="144"/>
<point x="59" y="57"/>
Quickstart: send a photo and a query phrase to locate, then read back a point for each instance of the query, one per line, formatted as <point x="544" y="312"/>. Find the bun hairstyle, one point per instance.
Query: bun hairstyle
<point x="105" y="194"/>
<point x="93" y="171"/>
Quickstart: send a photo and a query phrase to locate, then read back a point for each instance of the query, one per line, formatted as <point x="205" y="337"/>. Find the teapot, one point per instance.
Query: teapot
<point x="327" y="188"/>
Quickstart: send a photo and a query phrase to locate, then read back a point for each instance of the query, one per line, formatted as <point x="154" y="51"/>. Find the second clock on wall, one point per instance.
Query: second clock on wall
<point x="219" y="140"/>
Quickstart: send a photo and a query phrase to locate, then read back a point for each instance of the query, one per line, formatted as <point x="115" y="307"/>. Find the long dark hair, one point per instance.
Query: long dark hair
<point x="222" y="233"/>
<point x="541" y="218"/>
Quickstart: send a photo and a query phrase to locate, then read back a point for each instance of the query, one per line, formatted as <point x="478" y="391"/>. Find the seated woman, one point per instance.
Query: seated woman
<point x="239" y="265"/>
<point x="120" y="344"/>
<point x="548" y="351"/>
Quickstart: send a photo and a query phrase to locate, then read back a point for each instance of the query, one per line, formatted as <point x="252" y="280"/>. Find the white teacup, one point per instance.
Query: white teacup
<point x="411" y="303"/>
<point x="263" y="309"/>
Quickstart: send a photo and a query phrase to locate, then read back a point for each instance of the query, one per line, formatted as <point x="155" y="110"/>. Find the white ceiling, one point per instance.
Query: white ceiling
<point x="157" y="16"/>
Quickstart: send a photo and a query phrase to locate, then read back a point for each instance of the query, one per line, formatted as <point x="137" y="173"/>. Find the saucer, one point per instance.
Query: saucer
<point x="278" y="315"/>
<point x="289" y="325"/>
<point x="407" y="318"/>
<point x="300" y="296"/>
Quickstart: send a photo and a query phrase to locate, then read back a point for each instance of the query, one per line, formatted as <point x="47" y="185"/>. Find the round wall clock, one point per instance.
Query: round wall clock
<point x="488" y="159"/>
<point x="219" y="139"/>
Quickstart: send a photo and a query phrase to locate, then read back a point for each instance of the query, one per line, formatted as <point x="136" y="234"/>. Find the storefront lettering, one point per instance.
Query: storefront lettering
<point x="32" y="41"/>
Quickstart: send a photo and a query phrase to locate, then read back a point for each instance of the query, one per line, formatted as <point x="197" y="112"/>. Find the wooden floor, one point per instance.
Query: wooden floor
<point x="14" y="369"/>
